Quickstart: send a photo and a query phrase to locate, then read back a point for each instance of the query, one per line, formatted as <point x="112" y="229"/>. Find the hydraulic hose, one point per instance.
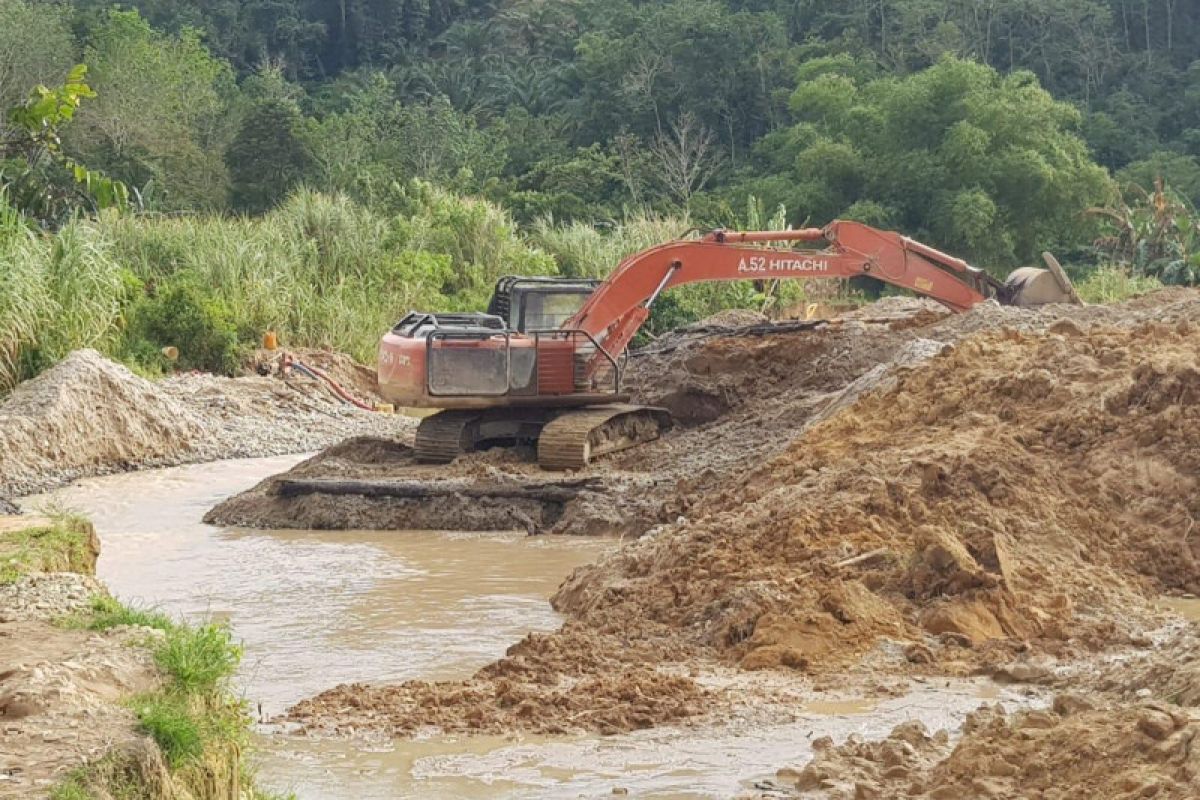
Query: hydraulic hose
<point x="319" y="375"/>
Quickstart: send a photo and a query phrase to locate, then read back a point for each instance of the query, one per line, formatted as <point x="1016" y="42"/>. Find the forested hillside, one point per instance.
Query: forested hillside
<point x="993" y="128"/>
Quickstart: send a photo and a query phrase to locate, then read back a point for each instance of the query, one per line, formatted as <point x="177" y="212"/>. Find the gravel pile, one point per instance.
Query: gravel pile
<point x="90" y="416"/>
<point x="47" y="596"/>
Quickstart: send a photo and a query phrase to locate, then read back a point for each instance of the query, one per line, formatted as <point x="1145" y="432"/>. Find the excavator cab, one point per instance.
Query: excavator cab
<point x="529" y="304"/>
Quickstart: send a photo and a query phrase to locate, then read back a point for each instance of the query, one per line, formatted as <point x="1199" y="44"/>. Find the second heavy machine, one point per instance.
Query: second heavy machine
<point x="544" y="364"/>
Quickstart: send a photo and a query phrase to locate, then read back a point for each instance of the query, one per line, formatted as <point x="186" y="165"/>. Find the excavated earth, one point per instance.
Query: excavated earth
<point x="897" y="496"/>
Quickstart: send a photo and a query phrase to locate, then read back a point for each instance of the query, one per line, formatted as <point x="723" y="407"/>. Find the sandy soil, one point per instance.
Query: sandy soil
<point x="1003" y="493"/>
<point x="1073" y="750"/>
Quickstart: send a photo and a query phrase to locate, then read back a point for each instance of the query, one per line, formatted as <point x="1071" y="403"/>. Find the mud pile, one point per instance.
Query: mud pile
<point x="1018" y="490"/>
<point x="957" y="497"/>
<point x="90" y="416"/>
<point x="84" y="415"/>
<point x="1074" y="750"/>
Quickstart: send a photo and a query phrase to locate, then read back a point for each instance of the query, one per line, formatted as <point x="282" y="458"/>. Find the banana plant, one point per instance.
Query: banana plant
<point x="1155" y="232"/>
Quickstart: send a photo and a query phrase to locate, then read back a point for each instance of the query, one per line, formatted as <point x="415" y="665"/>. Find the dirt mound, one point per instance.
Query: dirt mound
<point x="612" y="702"/>
<point x="1007" y="491"/>
<point x="89" y="416"/>
<point x="1071" y="751"/>
<point x="452" y="499"/>
<point x="910" y="499"/>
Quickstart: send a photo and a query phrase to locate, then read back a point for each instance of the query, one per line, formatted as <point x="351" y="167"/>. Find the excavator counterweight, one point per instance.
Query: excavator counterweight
<point x="543" y="365"/>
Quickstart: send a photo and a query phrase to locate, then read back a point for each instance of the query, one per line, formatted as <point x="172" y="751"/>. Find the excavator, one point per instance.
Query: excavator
<point x="543" y="366"/>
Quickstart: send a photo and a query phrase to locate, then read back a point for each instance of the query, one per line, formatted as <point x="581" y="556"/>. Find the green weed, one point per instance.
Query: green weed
<point x="199" y="659"/>
<point x="61" y="546"/>
<point x="108" y="612"/>
<point x="1113" y="284"/>
<point x="175" y="727"/>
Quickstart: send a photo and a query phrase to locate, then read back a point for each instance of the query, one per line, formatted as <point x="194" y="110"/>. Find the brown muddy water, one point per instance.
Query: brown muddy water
<point x="319" y="608"/>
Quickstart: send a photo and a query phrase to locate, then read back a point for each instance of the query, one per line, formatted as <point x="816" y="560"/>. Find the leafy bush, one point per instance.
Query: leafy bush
<point x="200" y="326"/>
<point x="1154" y="233"/>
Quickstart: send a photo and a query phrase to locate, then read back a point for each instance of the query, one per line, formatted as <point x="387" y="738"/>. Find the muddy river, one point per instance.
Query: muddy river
<point x="315" y="609"/>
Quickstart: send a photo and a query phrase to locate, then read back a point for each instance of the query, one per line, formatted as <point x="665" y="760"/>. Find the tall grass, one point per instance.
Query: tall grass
<point x="321" y="270"/>
<point x="1112" y="284"/>
<point x="585" y="251"/>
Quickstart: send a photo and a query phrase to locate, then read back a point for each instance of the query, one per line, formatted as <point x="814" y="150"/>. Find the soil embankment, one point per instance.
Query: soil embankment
<point x="90" y="416"/>
<point x="100" y="700"/>
<point x="61" y="689"/>
<point x="1004" y="492"/>
<point x="1072" y="750"/>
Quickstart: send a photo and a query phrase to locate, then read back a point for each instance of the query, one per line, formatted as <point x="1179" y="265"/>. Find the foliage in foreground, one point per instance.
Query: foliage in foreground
<point x="64" y="545"/>
<point x="199" y="726"/>
<point x="1112" y="284"/>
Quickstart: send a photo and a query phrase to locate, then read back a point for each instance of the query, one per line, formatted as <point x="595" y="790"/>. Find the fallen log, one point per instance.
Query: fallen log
<point x="553" y="492"/>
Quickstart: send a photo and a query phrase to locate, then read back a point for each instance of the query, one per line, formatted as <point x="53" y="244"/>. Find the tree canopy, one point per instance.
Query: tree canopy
<point x="986" y="127"/>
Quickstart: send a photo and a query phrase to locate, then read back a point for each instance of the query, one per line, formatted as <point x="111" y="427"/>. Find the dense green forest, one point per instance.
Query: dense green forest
<point x="474" y="137"/>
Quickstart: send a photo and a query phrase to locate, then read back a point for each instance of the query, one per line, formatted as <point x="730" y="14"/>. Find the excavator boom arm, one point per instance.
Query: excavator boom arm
<point x="619" y="306"/>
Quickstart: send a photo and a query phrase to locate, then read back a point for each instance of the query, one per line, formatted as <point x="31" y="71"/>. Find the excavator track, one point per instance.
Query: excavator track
<point x="572" y="439"/>
<point x="446" y="435"/>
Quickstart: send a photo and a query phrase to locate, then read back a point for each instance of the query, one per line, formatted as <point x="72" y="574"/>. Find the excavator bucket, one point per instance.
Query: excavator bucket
<point x="1030" y="286"/>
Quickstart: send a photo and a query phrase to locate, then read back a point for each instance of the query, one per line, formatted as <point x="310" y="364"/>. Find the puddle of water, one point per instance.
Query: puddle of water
<point x="319" y="608"/>
<point x="1186" y="607"/>
<point x="834" y="708"/>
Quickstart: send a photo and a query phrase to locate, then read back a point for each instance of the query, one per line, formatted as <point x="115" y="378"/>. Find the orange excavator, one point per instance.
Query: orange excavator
<point x="544" y="364"/>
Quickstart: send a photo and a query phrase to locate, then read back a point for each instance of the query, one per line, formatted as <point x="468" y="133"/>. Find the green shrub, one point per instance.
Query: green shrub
<point x="184" y="316"/>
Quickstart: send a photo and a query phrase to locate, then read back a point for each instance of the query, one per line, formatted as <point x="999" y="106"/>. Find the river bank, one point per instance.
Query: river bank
<point x="98" y="699"/>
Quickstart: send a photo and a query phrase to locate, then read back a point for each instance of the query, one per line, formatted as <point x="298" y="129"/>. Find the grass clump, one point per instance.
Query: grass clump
<point x="199" y="659"/>
<point x="199" y="726"/>
<point x="65" y="545"/>
<point x="1115" y="283"/>
<point x="108" y="612"/>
